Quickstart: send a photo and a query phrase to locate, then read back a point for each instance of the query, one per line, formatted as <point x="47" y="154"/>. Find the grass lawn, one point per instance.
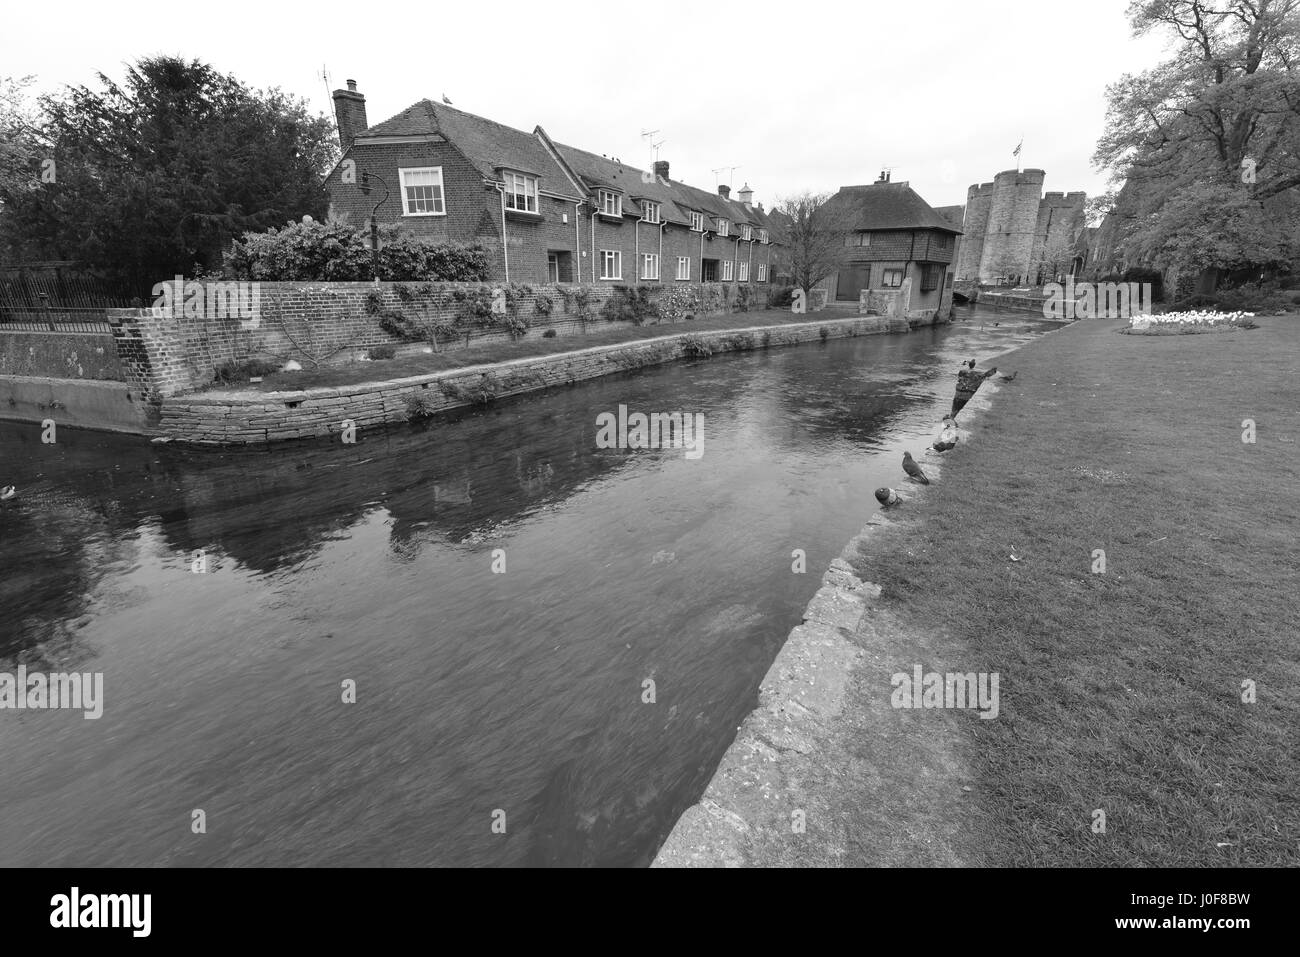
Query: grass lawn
<point x="600" y="334"/>
<point x="1119" y="691"/>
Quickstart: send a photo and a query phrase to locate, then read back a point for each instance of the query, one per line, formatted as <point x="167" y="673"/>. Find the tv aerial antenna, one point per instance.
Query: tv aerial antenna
<point x="649" y="137"/>
<point x="731" y="176"/>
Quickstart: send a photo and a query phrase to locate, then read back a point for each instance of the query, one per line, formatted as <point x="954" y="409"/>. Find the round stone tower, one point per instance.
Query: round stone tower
<point x="1012" y="224"/>
<point x="975" y="222"/>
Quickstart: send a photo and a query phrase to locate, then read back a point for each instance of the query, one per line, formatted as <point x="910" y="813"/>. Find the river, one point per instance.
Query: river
<point x="482" y="696"/>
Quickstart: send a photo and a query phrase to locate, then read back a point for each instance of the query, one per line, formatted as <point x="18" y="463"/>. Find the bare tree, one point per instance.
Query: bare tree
<point x="812" y="227"/>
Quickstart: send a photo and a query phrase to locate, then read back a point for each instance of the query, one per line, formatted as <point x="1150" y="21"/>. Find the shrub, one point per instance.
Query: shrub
<point x="479" y="393"/>
<point x="780" y="297"/>
<point x="419" y="406"/>
<point x="548" y="334"/>
<point x="241" y="370"/>
<point x="695" y="346"/>
<point x="632" y="304"/>
<point x="336" y="252"/>
<point x="382" y="352"/>
<point x="582" y="300"/>
<point x="543" y="304"/>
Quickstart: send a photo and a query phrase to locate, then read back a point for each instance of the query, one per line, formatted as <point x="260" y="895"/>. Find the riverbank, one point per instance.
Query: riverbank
<point x="243" y="417"/>
<point x="1122" y="736"/>
<point x="600" y="333"/>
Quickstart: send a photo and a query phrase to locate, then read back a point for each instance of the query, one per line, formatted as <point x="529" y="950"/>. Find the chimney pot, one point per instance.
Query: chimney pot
<point x="352" y="85"/>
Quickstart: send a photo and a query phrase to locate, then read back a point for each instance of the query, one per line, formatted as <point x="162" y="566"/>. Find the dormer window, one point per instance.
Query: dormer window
<point x="650" y="212"/>
<point x="746" y="232"/>
<point x="697" y="222"/>
<point x="611" y="203"/>
<point x="762" y="235"/>
<point x="521" y="192"/>
<point x="722" y="227"/>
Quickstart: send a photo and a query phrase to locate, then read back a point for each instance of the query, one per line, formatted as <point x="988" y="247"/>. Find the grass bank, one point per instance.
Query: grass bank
<point x="1121" y="690"/>
<point x="533" y="344"/>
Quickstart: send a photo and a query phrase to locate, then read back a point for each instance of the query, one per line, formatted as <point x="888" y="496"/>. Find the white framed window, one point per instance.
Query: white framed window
<point x="521" y="192"/>
<point x="762" y="272"/>
<point x="649" y="266"/>
<point x="422" y="191"/>
<point x="762" y="235"/>
<point x="743" y="268"/>
<point x="892" y="278"/>
<point x="611" y="203"/>
<point x="726" y="270"/>
<point x="723" y="225"/>
<point x="746" y="232"/>
<point x="683" y="267"/>
<point x="611" y="264"/>
<point x="651" y="212"/>
<point x="697" y="222"/>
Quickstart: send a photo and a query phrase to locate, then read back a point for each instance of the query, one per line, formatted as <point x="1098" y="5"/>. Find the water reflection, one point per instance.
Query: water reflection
<point x="477" y="691"/>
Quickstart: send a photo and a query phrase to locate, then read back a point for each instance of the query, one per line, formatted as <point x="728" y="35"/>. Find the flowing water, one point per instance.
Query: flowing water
<point x="481" y="696"/>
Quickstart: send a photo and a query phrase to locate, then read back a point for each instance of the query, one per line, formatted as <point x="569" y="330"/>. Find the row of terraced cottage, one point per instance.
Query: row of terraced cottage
<point x="544" y="211"/>
<point x="548" y="212"/>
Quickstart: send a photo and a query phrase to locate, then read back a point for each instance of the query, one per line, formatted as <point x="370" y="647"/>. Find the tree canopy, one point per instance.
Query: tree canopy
<point x="155" y="176"/>
<point x="1209" y="139"/>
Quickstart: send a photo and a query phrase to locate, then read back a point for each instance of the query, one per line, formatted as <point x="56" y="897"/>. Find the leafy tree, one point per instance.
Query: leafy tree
<point x="21" y="146"/>
<point x="1209" y="140"/>
<point x="155" y="176"/>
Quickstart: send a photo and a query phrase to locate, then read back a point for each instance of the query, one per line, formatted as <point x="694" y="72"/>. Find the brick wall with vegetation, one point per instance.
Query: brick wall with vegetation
<point x="333" y="322"/>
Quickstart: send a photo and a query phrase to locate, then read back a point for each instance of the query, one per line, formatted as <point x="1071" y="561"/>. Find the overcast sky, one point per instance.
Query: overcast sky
<point x="807" y="95"/>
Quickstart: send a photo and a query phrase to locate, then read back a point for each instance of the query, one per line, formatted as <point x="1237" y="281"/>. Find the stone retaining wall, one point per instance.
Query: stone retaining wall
<point x="254" y="417"/>
<point x="60" y="355"/>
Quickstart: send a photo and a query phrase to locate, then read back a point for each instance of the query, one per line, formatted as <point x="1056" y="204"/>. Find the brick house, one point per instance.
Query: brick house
<point x="544" y="211"/>
<point x="893" y="235"/>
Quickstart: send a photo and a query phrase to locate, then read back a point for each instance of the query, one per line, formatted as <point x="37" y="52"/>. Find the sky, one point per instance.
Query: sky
<point x="807" y="96"/>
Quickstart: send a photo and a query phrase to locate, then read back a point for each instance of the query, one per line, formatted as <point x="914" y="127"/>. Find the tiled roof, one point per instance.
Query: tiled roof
<point x="956" y="215"/>
<point x="487" y="144"/>
<point x="888" y="206"/>
<point x="491" y="146"/>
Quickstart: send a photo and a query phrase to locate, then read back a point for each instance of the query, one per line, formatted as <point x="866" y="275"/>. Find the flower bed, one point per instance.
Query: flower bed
<point x="1188" y="323"/>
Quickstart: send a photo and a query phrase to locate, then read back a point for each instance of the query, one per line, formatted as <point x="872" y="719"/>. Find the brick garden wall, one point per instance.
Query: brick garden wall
<point x="164" y="355"/>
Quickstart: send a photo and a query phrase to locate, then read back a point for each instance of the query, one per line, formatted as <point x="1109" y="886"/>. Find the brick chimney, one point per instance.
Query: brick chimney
<point x="746" y="195"/>
<point x="724" y="191"/>
<point x="661" y="168"/>
<point x="350" y="112"/>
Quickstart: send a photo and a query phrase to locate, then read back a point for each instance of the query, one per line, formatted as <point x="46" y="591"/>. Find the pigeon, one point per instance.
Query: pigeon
<point x="913" y="470"/>
<point x="971" y="363"/>
<point x="947" y="435"/>
<point x="445" y="100"/>
<point x="887" y="496"/>
<point x="1008" y="378"/>
<point x="7" y="493"/>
